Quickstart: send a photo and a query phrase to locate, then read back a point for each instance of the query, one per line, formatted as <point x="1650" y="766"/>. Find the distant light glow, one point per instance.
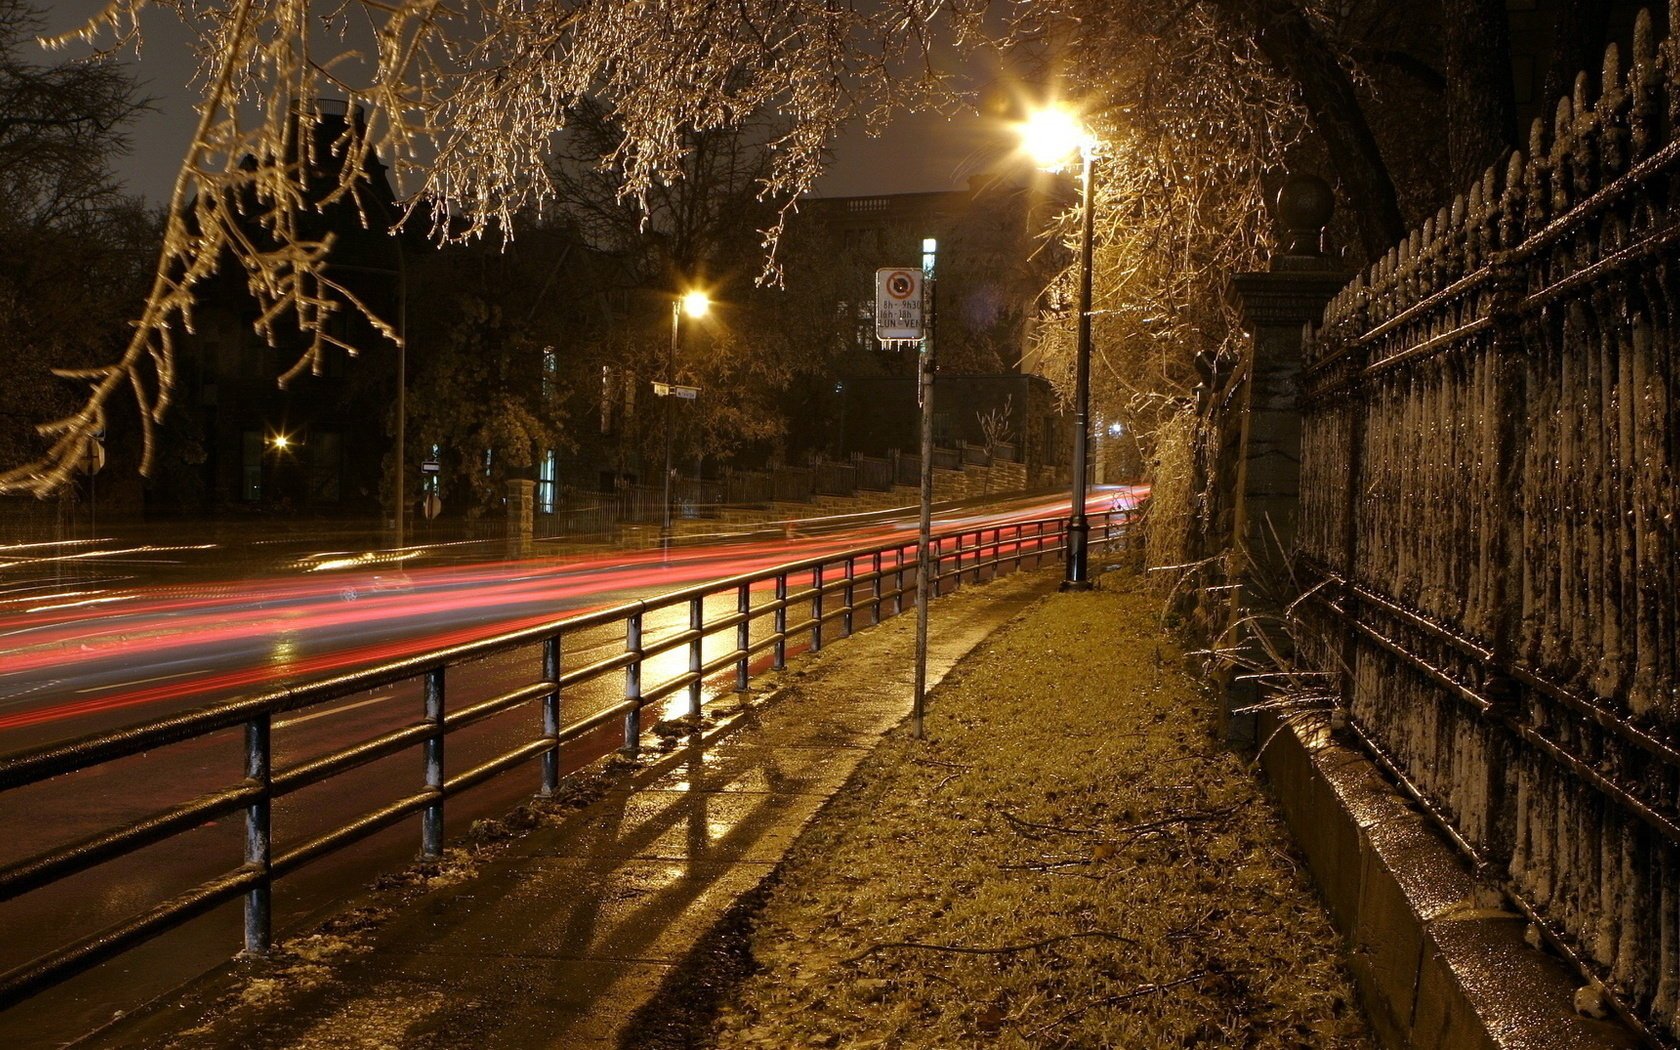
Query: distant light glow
<point x="696" y="304"/>
<point x="1055" y="138"/>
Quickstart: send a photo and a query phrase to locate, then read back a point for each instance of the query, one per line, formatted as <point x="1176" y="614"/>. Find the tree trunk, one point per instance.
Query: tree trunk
<point x="1295" y="48"/>
<point x="1578" y="38"/>
<point x="1481" y="107"/>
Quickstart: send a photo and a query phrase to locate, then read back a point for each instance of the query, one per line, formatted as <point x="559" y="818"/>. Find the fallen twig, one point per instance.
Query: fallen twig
<point x="942" y="765"/>
<point x="1110" y="1000"/>
<point x="1029" y="825"/>
<point x="1008" y="949"/>
<point x="1047" y="865"/>
<point x="1134" y="831"/>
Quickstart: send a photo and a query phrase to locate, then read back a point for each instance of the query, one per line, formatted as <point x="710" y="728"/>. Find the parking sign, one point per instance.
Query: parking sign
<point x="898" y="304"/>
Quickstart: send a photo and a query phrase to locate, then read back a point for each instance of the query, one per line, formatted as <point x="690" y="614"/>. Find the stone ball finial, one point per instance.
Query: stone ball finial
<point x="1304" y="207"/>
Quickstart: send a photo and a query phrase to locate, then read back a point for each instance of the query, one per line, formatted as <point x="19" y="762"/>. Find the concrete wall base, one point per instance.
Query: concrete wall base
<point x="1439" y="957"/>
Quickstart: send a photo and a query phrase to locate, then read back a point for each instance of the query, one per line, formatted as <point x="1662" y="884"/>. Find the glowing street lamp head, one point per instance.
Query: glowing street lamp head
<point x="279" y="442"/>
<point x="696" y="304"/>
<point x="1055" y="138"/>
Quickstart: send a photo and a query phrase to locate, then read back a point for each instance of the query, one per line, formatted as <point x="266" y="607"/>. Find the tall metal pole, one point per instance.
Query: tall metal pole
<point x="670" y="392"/>
<point x="402" y="386"/>
<point x="1078" y="528"/>
<point x="924" y="560"/>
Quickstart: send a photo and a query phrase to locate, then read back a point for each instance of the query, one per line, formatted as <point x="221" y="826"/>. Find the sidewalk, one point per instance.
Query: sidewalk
<point x="1068" y="860"/>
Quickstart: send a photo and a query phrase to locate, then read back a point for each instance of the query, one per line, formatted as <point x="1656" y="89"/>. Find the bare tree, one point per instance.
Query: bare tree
<point x="1192" y="121"/>
<point x="74" y="241"/>
<point x="464" y="105"/>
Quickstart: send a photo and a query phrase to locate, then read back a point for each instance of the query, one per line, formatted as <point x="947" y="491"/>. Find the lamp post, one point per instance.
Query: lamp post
<point x="1052" y="136"/>
<point x="695" y="304"/>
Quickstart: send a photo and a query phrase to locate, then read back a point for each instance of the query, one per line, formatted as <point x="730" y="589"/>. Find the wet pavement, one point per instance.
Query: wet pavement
<point x="559" y="937"/>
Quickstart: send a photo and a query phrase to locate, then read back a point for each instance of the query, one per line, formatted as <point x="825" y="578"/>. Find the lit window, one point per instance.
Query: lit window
<point x="547" y="472"/>
<point x="550" y="372"/>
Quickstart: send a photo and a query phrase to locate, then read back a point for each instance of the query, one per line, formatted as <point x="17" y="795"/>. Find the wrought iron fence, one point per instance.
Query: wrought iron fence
<point x="1489" y="500"/>
<point x="874" y="474"/>
<point x="792" y="484"/>
<point x="834" y="479"/>
<point x="721" y="628"/>
<point x="748" y="487"/>
<point x="907" y="470"/>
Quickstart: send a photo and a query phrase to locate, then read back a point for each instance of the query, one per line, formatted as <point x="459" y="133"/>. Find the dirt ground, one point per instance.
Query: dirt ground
<point x="1070" y="859"/>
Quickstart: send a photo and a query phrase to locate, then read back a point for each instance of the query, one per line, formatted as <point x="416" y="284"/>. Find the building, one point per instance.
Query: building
<point x="980" y="244"/>
<point x="237" y="441"/>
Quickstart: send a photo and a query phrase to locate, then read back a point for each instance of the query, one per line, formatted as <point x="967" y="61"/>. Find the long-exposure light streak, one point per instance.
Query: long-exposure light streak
<point x="340" y="610"/>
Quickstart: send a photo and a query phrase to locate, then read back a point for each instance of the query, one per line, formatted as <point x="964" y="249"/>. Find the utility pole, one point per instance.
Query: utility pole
<point x="924" y="552"/>
<point x="904" y="313"/>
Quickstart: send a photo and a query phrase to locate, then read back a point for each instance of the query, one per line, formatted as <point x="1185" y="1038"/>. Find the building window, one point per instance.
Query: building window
<point x="547" y="473"/>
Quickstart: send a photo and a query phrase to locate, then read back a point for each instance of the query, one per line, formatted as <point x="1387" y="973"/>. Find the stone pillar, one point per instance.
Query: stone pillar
<point x="1278" y="308"/>
<point x="521" y="505"/>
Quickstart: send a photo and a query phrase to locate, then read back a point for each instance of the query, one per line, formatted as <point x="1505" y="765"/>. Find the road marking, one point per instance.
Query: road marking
<point x="332" y="711"/>
<point x="138" y="681"/>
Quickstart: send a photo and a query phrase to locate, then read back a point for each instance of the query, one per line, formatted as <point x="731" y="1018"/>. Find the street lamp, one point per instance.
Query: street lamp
<point x="1052" y="136"/>
<point x="695" y="304"/>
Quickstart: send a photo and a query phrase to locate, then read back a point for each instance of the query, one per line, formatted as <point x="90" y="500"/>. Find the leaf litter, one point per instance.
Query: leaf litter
<point x="1069" y="859"/>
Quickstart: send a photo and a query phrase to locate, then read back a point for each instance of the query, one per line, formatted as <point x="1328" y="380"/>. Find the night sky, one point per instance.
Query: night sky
<point x="917" y="153"/>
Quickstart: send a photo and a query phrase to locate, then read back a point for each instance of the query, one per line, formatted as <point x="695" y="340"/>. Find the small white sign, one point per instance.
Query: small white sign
<point x="687" y="393"/>
<point x="898" y="304"/>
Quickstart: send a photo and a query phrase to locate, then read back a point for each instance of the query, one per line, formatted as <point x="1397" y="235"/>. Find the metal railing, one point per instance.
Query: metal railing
<point x="834" y="479"/>
<point x="873" y="474"/>
<point x="830" y="593"/>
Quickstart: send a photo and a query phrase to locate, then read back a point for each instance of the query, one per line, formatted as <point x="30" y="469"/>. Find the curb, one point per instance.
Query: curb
<point x="1439" y="958"/>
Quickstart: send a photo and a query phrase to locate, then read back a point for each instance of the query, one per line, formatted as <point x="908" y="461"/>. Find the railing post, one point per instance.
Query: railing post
<point x="696" y="621"/>
<point x="258" y="835"/>
<point x="743" y="635"/>
<point x="875" y="585"/>
<point x="779" y="661"/>
<point x="633" y="684"/>
<point x="849" y="592"/>
<point x="898" y="582"/>
<point x="816" y="609"/>
<point x="431" y="818"/>
<point x="551" y="717"/>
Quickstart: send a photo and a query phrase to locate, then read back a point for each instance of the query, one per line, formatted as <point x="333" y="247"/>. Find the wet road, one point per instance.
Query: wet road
<point x="81" y="657"/>
<point x="90" y="656"/>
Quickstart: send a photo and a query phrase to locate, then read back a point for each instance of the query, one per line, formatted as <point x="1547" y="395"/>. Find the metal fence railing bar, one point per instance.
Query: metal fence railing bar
<point x="744" y="618"/>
